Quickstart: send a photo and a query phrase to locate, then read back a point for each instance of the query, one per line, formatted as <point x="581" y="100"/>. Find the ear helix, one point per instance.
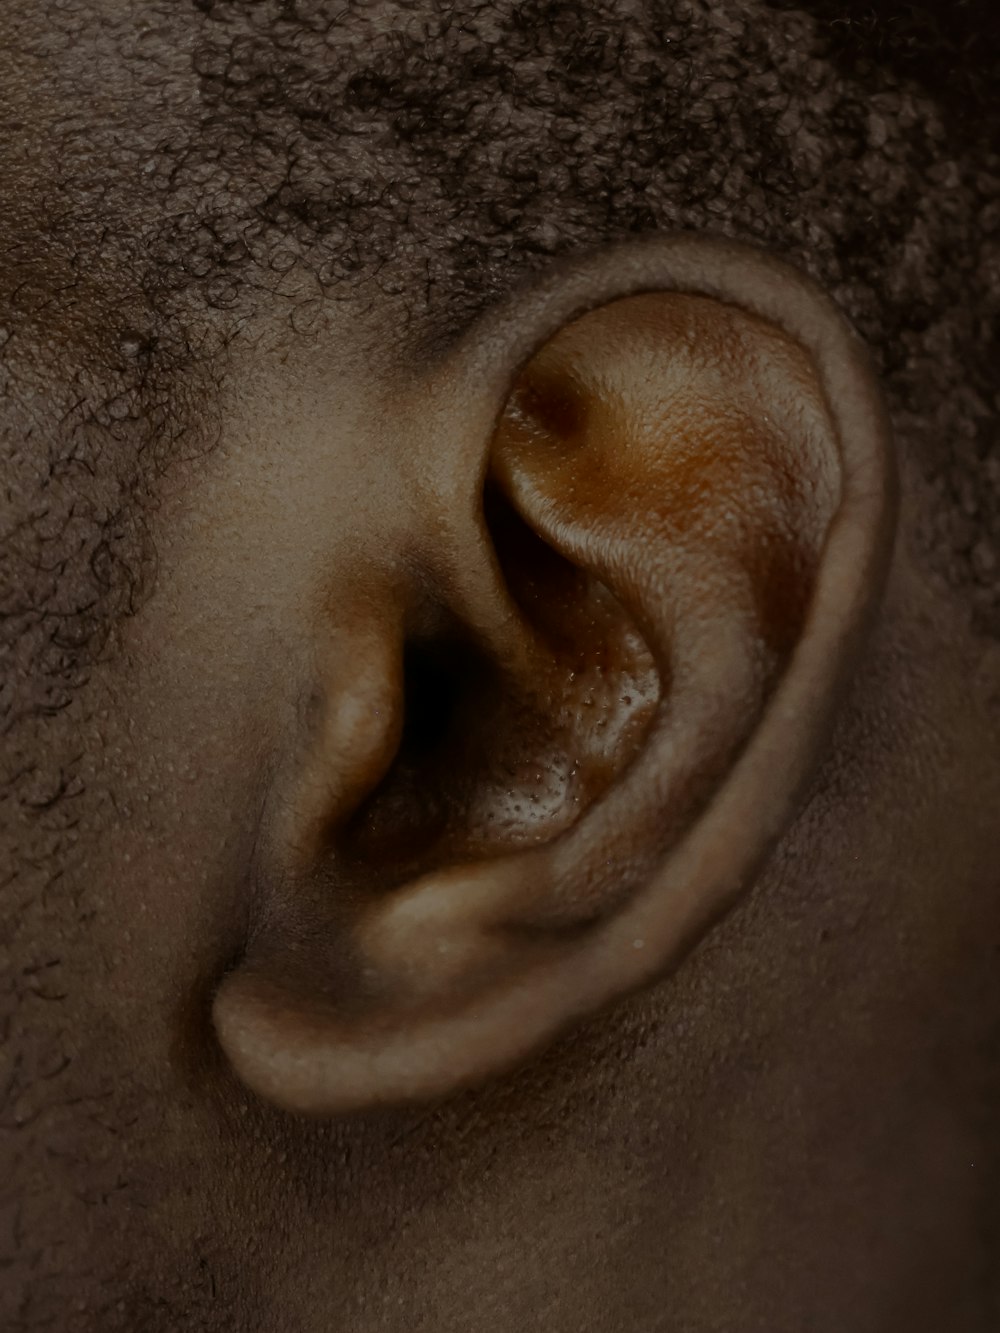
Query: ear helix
<point x="710" y="456"/>
<point x="678" y="494"/>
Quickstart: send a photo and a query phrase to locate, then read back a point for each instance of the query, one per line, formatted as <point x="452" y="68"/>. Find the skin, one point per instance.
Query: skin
<point x="796" y="1126"/>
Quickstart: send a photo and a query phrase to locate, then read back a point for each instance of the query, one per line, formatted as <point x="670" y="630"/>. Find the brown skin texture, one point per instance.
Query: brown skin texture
<point x="796" y="1128"/>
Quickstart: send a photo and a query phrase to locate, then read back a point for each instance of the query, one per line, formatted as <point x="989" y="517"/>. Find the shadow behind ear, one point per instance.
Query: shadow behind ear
<point x="689" y="508"/>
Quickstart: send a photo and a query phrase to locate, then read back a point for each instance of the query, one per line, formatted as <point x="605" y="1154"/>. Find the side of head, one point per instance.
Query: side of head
<point x="499" y="776"/>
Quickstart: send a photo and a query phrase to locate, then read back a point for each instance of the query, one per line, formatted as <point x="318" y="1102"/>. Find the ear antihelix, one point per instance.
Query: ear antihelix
<point x="706" y="442"/>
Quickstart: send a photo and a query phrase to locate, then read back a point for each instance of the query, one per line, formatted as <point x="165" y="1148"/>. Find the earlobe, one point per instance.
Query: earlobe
<point x="687" y="513"/>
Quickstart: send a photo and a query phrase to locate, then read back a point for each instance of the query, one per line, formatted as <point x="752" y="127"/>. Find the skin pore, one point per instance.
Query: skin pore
<point x="234" y="236"/>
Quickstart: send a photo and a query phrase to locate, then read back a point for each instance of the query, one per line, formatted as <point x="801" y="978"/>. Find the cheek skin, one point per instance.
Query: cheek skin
<point x="202" y="702"/>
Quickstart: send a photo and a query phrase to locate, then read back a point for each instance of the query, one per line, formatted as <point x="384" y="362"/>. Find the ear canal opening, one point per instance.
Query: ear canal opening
<point x="493" y="754"/>
<point x="394" y="831"/>
<point x="432" y="681"/>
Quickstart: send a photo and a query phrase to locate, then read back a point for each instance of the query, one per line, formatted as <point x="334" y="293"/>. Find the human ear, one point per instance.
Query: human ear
<point x="537" y="777"/>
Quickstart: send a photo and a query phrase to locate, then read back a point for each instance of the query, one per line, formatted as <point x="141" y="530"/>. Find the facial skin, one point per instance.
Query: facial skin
<point x="274" y="321"/>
